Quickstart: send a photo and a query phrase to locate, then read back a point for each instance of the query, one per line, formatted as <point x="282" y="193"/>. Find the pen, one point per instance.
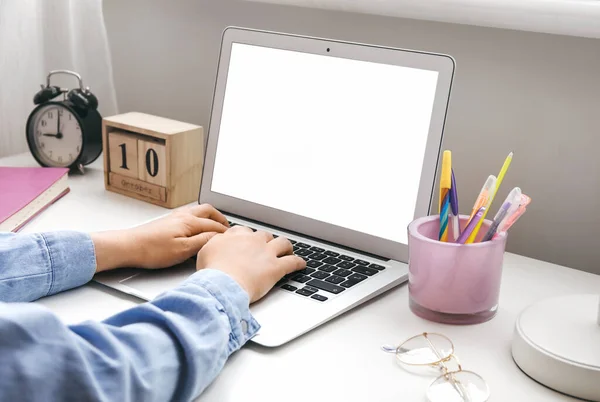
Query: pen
<point x="484" y="194"/>
<point x="511" y="219"/>
<point x="446" y="176"/>
<point x="445" y="185"/>
<point x="471" y="225"/>
<point x="508" y="208"/>
<point x="454" y="206"/>
<point x="503" y="170"/>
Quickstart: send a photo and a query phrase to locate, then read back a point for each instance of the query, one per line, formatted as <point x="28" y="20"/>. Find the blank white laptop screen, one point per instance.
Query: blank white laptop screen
<point x="336" y="140"/>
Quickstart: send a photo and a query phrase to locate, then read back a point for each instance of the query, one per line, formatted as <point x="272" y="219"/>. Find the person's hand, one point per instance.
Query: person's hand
<point x="161" y="243"/>
<point x="254" y="260"/>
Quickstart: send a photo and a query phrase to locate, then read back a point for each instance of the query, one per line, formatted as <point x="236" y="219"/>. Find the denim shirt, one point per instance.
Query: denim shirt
<point x="169" y="349"/>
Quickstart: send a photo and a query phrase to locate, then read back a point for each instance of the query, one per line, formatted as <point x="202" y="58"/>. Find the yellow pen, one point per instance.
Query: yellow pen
<point x="505" y="167"/>
<point x="446" y="177"/>
<point x="445" y="185"/>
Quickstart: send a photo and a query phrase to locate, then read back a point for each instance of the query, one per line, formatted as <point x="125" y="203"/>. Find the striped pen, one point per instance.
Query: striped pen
<point x="445" y="186"/>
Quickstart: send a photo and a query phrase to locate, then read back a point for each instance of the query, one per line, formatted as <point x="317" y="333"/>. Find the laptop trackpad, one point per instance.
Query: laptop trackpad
<point x="152" y="283"/>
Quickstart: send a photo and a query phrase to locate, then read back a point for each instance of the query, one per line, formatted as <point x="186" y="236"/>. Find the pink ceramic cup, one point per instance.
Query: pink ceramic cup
<point x="453" y="283"/>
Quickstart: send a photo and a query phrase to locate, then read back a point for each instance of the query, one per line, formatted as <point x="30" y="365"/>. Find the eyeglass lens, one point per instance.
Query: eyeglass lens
<point x="461" y="386"/>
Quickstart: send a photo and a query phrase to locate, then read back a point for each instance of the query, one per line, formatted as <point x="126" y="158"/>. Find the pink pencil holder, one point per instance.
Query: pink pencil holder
<point x="453" y="283"/>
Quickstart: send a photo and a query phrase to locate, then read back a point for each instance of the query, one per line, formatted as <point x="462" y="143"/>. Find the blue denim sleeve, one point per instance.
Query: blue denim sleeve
<point x="42" y="264"/>
<point x="169" y="349"/>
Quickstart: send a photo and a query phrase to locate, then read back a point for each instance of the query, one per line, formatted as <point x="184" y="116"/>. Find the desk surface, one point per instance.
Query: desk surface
<point x="342" y="359"/>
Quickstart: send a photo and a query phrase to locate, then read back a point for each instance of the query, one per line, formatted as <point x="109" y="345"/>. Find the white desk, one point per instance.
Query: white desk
<point x="340" y="361"/>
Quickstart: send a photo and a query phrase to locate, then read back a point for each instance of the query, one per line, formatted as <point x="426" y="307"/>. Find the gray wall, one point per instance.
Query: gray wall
<point x="535" y="94"/>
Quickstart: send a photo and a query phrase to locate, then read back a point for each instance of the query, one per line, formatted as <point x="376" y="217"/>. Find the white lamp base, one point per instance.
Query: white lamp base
<point x="557" y="343"/>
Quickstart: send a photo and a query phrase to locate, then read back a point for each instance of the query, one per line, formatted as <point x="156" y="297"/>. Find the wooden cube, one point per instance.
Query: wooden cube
<point x="124" y="149"/>
<point x="152" y="158"/>
<point x="152" y="162"/>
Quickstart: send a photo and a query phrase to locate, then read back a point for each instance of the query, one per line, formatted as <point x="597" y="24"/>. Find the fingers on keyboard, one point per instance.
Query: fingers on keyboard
<point x="326" y="271"/>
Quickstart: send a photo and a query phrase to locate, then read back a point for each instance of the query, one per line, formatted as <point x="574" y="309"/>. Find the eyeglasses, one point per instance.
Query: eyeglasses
<point x="431" y="352"/>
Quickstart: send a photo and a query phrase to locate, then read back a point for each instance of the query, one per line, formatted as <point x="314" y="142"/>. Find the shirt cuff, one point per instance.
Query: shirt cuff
<point x="235" y="302"/>
<point x="72" y="259"/>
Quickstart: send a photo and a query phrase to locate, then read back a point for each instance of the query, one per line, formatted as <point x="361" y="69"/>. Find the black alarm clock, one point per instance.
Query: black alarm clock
<point x="67" y="132"/>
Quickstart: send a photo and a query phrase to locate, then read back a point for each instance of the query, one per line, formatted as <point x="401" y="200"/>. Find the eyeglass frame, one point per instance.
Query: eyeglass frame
<point x="446" y="373"/>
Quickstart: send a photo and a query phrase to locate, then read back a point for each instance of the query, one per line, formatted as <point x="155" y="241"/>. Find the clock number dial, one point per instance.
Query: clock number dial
<point x="56" y="135"/>
<point x="152" y="162"/>
<point x="123" y="156"/>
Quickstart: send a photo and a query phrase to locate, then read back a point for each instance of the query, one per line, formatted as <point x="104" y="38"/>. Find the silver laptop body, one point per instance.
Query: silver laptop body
<point x="331" y="144"/>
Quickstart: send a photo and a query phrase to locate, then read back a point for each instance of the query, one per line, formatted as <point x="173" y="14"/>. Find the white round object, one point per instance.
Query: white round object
<point x="557" y="343"/>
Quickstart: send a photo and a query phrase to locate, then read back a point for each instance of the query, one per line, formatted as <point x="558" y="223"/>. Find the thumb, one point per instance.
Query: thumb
<point x="198" y="241"/>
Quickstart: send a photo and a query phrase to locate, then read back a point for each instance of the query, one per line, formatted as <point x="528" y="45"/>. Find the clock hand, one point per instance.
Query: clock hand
<point x="58" y="122"/>
<point x="57" y="135"/>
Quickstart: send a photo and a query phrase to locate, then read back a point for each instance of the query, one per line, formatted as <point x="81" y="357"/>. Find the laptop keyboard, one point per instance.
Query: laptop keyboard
<point x="327" y="272"/>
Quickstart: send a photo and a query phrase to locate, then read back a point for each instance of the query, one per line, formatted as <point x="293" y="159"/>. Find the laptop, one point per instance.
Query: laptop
<point x="331" y="144"/>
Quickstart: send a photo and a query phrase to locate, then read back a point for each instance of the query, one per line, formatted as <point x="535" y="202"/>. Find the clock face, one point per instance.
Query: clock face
<point x="56" y="134"/>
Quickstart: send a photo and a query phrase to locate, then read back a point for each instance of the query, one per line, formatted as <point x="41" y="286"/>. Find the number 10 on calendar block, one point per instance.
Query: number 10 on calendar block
<point x="152" y="158"/>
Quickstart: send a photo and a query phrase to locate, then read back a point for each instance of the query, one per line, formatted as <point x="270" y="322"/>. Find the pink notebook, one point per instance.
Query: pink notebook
<point x="25" y="192"/>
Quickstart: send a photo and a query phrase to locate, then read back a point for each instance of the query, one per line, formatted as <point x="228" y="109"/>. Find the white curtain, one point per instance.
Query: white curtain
<point x="37" y="36"/>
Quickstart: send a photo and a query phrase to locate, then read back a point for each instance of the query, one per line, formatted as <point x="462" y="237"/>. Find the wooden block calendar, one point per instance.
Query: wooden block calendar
<point x="152" y="158"/>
